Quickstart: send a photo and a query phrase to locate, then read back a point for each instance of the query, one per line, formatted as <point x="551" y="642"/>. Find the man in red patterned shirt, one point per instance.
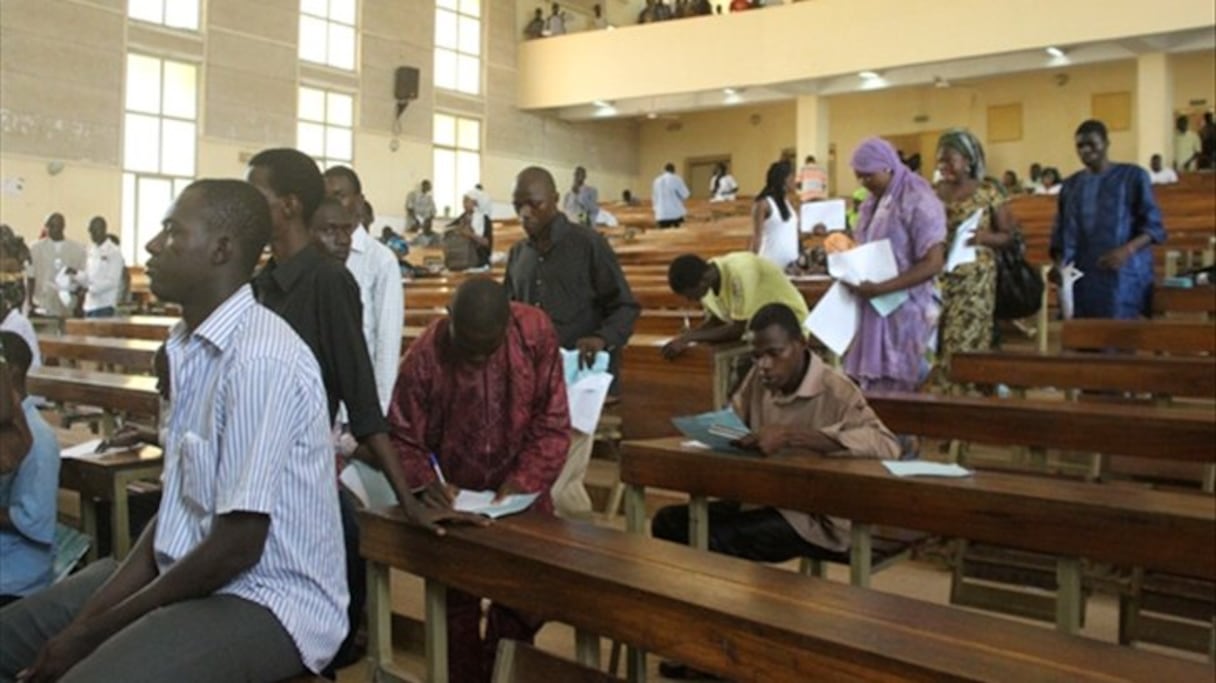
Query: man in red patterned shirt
<point x="483" y="390"/>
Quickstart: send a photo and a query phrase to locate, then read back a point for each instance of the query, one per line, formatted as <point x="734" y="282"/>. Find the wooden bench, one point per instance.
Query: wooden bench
<point x="1172" y="376"/>
<point x="1171" y="532"/>
<point x="518" y="662"/>
<point x="135" y="354"/>
<point x="114" y="393"/>
<point x="1154" y="336"/>
<point x="1194" y="300"/>
<point x="718" y="614"/>
<point x="150" y="327"/>
<point x="105" y="479"/>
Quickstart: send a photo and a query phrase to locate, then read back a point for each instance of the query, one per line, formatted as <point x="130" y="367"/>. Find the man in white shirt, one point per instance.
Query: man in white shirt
<point x="420" y="210"/>
<point x="1187" y="145"/>
<point x="582" y="203"/>
<point x="240" y="576"/>
<point x="102" y="276"/>
<point x="50" y="287"/>
<point x="667" y="195"/>
<point x="556" y="23"/>
<point x="375" y="269"/>
<point x="1158" y="174"/>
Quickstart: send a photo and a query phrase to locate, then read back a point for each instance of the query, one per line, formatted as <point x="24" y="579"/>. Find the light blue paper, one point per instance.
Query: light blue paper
<point x="922" y="468"/>
<point x="889" y="302"/>
<point x="698" y="428"/>
<point x="572" y="371"/>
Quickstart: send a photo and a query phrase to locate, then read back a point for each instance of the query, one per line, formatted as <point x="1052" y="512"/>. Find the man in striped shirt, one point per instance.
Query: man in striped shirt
<point x="240" y="576"/>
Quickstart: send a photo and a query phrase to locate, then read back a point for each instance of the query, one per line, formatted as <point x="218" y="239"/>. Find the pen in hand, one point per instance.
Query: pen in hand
<point x="435" y="466"/>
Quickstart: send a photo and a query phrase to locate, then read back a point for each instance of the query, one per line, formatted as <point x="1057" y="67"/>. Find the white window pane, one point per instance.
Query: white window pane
<point x="153" y="198"/>
<point x="141" y="143"/>
<point x="313" y="7"/>
<point x="338" y="143"/>
<point x="177" y="148"/>
<point x="146" y="10"/>
<point x="313" y="34"/>
<point x="182" y="14"/>
<point x="130" y="247"/>
<point x="470" y="36"/>
<point x="312" y="104"/>
<point x="445" y="69"/>
<point x="179" y="91"/>
<point x="468" y="171"/>
<point x="343" y="11"/>
<point x="444" y="184"/>
<point x="445" y="130"/>
<point x="143" y="84"/>
<point x="468" y="134"/>
<point x="341" y="109"/>
<point x="468" y="74"/>
<point x="179" y="185"/>
<point x="447" y="4"/>
<point x="445" y="29"/>
<point x="310" y="138"/>
<point x="471" y="7"/>
<point x="341" y="46"/>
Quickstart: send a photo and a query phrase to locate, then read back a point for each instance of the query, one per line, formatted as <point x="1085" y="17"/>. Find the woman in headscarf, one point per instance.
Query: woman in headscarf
<point x="890" y="352"/>
<point x="774" y="224"/>
<point x="968" y="291"/>
<point x="722" y="185"/>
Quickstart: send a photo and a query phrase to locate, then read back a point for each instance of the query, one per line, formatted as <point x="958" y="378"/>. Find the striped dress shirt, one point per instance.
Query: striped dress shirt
<point x="249" y="432"/>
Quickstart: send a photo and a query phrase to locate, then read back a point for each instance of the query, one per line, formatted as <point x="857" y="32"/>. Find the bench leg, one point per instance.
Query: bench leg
<point x="120" y="520"/>
<point x="1068" y="595"/>
<point x="698" y="522"/>
<point x="436" y="632"/>
<point x="587" y="648"/>
<point x="379" y="620"/>
<point x="1209" y="478"/>
<point x="859" y="555"/>
<point x="635" y="665"/>
<point x="635" y="509"/>
<point x="88" y="524"/>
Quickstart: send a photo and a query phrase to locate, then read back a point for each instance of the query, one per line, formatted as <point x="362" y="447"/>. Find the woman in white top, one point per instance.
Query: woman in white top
<point x="775" y="225"/>
<point x="1050" y="181"/>
<point x="722" y="185"/>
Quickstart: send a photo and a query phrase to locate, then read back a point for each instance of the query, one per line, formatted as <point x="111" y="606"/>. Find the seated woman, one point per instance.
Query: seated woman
<point x="722" y="185"/>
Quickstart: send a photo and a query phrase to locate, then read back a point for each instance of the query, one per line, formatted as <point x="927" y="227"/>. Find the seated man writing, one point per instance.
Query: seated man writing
<point x="240" y="576"/>
<point x="790" y="400"/>
<point x="484" y="392"/>
<point x="731" y="288"/>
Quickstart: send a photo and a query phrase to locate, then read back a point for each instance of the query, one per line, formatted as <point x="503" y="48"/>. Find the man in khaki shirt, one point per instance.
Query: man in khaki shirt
<point x="789" y="400"/>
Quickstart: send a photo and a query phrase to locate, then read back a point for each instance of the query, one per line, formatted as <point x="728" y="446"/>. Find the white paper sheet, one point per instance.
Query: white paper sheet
<point x="834" y="319"/>
<point x="870" y="262"/>
<point x="960" y="252"/>
<point x="830" y="212"/>
<point x="586" y="398"/>
<point x="88" y="451"/>
<point x="482" y="503"/>
<point x="921" y="468"/>
<point x="1068" y="279"/>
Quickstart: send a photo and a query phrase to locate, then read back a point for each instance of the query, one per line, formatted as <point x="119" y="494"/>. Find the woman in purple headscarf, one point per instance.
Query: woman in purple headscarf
<point x="889" y="353"/>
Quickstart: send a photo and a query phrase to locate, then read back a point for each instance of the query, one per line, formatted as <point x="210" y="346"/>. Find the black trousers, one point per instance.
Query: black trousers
<point x="356" y="578"/>
<point x="759" y="534"/>
<point x="672" y="223"/>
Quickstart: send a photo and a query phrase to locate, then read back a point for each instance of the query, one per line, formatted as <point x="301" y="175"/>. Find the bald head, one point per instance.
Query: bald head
<point x="535" y="200"/>
<point x="480" y="311"/>
<point x="535" y="174"/>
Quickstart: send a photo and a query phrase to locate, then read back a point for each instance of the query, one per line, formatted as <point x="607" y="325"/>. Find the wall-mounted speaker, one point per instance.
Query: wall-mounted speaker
<point x="405" y="83"/>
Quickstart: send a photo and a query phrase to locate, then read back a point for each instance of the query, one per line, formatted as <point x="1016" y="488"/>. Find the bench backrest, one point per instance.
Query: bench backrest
<point x="1173" y="376"/>
<point x="1156" y="336"/>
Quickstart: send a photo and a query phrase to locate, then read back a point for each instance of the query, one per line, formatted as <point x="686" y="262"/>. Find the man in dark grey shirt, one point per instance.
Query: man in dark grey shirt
<point x="569" y="271"/>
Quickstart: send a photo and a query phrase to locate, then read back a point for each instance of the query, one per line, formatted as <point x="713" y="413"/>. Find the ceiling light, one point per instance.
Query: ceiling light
<point x="729" y="91"/>
<point x="869" y="75"/>
<point x="1055" y="52"/>
<point x="602" y="104"/>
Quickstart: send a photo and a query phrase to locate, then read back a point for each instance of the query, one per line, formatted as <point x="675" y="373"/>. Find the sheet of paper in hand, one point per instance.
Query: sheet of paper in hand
<point x="716" y="429"/>
<point x="482" y="503"/>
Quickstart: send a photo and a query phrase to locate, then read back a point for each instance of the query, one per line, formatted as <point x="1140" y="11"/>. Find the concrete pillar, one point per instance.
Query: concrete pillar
<point x="1154" y="108"/>
<point x="811" y="125"/>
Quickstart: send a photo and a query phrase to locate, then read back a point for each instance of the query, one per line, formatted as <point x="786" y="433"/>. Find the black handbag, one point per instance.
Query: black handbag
<point x="1019" y="289"/>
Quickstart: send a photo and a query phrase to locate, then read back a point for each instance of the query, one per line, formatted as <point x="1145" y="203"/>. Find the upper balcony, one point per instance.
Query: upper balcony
<point x="820" y="47"/>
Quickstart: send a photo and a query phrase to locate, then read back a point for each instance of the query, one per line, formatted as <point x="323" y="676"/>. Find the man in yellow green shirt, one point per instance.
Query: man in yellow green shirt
<point x="731" y="288"/>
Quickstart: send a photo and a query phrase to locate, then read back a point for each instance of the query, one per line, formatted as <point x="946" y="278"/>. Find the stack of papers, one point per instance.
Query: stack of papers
<point x="829" y="212"/>
<point x="715" y="430"/>
<point x="920" y="468"/>
<point x="835" y="318"/>
<point x="960" y="251"/>
<point x="88" y="451"/>
<point x="482" y="503"/>
<point x="586" y="389"/>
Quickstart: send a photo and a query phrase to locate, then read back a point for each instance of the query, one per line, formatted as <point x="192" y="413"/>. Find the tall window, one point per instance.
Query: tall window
<point x="159" y="145"/>
<point x="325" y="127"/>
<point x="327" y="32"/>
<point x="457" y="160"/>
<point x="458" y="45"/>
<point x="171" y="13"/>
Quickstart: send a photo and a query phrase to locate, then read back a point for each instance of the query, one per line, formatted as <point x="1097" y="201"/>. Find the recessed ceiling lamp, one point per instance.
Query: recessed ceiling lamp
<point x="1055" y="52"/>
<point x="729" y="92"/>
<point x="602" y="104"/>
<point x="869" y="75"/>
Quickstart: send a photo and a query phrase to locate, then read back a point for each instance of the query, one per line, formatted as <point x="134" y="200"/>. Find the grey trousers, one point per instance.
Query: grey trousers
<point x="219" y="638"/>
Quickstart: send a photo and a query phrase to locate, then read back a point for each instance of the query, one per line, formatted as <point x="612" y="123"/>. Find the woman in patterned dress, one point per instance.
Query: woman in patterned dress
<point x="969" y="291"/>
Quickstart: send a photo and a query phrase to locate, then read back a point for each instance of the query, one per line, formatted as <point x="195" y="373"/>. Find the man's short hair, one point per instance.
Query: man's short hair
<point x="16" y="352"/>
<point x="480" y="303"/>
<point x="777" y="314"/>
<point x="685" y="272"/>
<point x="1093" y="126"/>
<point x="348" y="173"/>
<point x="236" y="207"/>
<point x="670" y="167"/>
<point x="293" y="172"/>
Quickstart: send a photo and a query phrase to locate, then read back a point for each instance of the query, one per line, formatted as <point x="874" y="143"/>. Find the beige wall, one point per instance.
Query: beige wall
<point x="61" y="100"/>
<point x="1194" y="79"/>
<point x="752" y="136"/>
<point x="556" y="72"/>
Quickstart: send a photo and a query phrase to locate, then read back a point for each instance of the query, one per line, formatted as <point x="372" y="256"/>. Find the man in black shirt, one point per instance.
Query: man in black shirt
<point x="318" y="297"/>
<point x="571" y="272"/>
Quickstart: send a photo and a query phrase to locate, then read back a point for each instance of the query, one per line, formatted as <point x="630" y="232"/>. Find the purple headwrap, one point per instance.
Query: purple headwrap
<point x="875" y="155"/>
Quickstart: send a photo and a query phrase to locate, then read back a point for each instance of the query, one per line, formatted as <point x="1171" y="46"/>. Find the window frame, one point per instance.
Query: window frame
<point x="329" y="22"/>
<point x="455" y="53"/>
<point x="325" y="161"/>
